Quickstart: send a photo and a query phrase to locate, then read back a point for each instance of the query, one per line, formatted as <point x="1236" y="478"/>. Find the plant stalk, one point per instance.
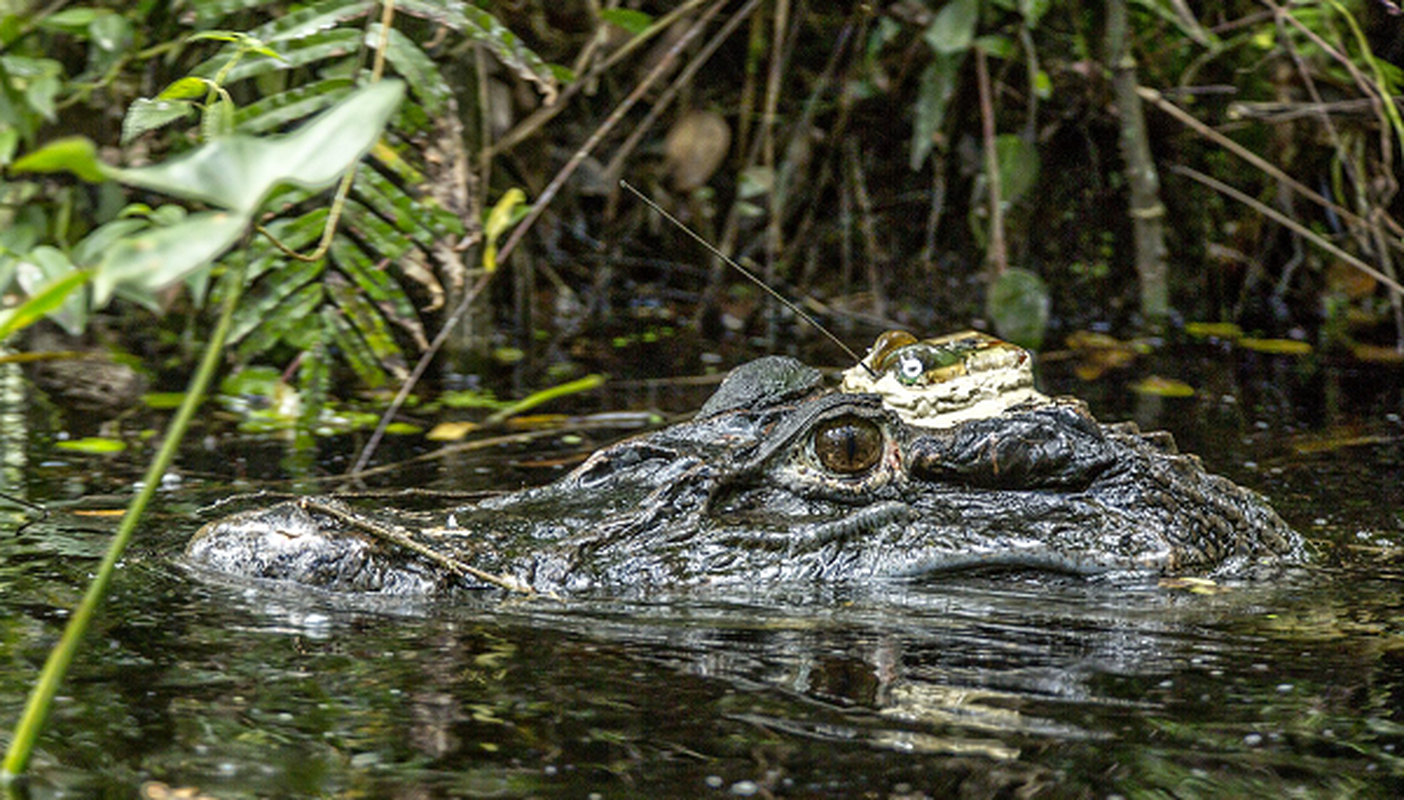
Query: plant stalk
<point x="42" y="697"/>
<point x="1146" y="211"/>
<point x="998" y="254"/>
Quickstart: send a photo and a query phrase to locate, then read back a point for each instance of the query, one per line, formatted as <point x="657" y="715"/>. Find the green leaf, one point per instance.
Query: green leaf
<point x="273" y="112"/>
<point x="377" y="235"/>
<point x="75" y="154"/>
<point x="1217" y="330"/>
<point x="21" y="237"/>
<point x="1160" y="386"/>
<point x="374" y="283"/>
<point x="9" y="143"/>
<point x="310" y="333"/>
<point x="953" y="28"/>
<point x="215" y="36"/>
<point x="209" y="12"/>
<point x="471" y="398"/>
<point x="1019" y="305"/>
<point x="218" y="120"/>
<point x="418" y="70"/>
<point x="147" y="115"/>
<point x="38" y="272"/>
<point x="938" y="84"/>
<point x="237" y="172"/>
<point x="420" y="220"/>
<point x="92" y="445"/>
<point x="144" y="264"/>
<point x="634" y="22"/>
<point x="168" y="214"/>
<point x="285" y="55"/>
<point x="483" y="28"/>
<point x="257" y="382"/>
<point x="996" y="45"/>
<point x="1280" y="347"/>
<point x="47" y="299"/>
<point x="502" y="216"/>
<point x="25" y="69"/>
<point x="282" y="321"/>
<point x="1018" y="167"/>
<point x="585" y="384"/>
<point x="357" y="356"/>
<point x="1033" y="11"/>
<point x="260" y="308"/>
<point x="313" y="19"/>
<point x="91" y="249"/>
<point x="111" y="33"/>
<point x="369" y="323"/>
<point x="40" y="94"/>
<point x="73" y="21"/>
<point x="1043" y="85"/>
<point x="187" y="88"/>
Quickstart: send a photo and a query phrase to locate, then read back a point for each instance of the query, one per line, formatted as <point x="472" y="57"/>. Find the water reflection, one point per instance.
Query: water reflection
<point x="993" y="685"/>
<point x="982" y="686"/>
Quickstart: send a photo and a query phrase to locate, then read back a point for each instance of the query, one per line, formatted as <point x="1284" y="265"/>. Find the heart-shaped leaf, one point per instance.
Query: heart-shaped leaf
<point x="45" y="299"/>
<point x="143" y="264"/>
<point x="238" y="172"/>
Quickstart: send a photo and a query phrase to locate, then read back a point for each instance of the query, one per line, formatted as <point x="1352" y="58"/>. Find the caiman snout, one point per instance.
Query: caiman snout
<point x="288" y="542"/>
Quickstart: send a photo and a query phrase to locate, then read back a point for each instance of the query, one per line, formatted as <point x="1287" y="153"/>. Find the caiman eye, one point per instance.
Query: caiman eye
<point x="848" y="445"/>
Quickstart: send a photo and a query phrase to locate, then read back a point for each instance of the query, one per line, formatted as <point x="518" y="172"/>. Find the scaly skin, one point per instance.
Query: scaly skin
<point x="779" y="479"/>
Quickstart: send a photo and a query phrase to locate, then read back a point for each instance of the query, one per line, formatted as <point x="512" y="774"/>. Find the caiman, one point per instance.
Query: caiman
<point x="930" y="457"/>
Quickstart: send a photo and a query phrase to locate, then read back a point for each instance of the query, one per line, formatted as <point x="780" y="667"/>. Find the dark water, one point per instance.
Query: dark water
<point x="973" y="686"/>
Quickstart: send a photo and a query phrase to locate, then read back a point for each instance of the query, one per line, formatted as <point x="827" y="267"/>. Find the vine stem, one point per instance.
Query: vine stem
<point x="41" y="698"/>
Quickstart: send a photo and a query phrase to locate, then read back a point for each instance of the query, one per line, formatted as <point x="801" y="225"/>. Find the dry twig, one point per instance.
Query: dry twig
<point x="401" y="539"/>
<point x="1284" y="220"/>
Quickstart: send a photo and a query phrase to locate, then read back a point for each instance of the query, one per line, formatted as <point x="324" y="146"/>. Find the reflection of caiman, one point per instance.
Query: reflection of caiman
<point x="948" y="460"/>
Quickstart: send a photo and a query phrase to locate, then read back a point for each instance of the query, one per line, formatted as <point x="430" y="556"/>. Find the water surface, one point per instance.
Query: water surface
<point x="993" y="685"/>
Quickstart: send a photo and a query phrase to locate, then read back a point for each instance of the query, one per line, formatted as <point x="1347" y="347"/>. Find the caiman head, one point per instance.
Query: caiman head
<point x="779" y="479"/>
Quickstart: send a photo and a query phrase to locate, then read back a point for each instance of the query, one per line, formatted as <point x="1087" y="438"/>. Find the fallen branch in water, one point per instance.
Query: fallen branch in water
<point x="392" y="536"/>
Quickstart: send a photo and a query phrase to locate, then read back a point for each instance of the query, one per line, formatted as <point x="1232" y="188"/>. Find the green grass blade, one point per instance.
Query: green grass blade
<point x="42" y="697"/>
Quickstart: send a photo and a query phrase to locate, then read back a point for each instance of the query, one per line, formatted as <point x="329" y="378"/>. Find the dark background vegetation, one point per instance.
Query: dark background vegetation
<point x="841" y="150"/>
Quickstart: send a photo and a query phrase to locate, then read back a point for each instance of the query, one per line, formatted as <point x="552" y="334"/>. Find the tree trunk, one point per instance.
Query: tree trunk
<point x="1146" y="210"/>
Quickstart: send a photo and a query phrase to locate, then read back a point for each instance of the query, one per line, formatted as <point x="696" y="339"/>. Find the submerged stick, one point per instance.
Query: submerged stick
<point x="398" y="539"/>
